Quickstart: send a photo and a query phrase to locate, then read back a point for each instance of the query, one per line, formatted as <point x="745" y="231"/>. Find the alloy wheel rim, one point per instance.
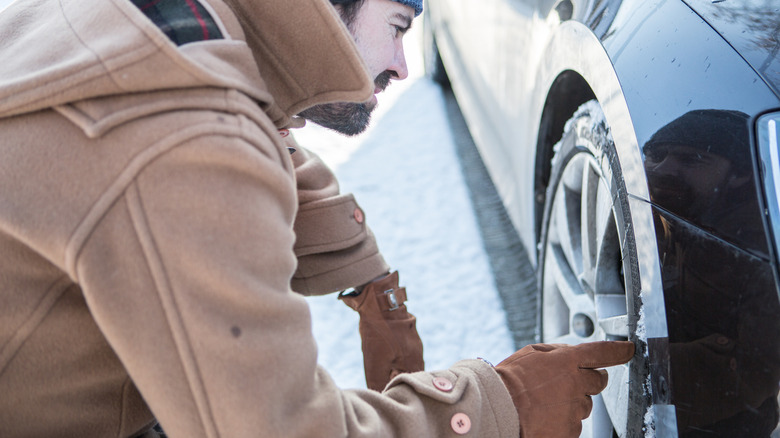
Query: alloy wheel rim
<point x="583" y="294"/>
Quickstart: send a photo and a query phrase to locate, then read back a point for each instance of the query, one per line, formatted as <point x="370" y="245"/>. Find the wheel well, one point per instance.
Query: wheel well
<point x="567" y="93"/>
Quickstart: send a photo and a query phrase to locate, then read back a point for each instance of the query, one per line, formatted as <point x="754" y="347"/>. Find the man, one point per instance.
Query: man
<point x="146" y="232"/>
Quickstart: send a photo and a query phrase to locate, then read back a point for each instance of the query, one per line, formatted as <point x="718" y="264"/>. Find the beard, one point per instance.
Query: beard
<point x="346" y="117"/>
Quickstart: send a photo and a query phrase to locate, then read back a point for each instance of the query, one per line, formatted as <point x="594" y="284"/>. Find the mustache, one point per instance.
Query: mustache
<point x="383" y="80"/>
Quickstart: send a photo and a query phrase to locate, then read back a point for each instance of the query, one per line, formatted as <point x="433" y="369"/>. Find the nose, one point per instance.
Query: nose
<point x="398" y="66"/>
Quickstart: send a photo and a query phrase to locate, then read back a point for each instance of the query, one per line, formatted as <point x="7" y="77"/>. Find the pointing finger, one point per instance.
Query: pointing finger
<point x="604" y="353"/>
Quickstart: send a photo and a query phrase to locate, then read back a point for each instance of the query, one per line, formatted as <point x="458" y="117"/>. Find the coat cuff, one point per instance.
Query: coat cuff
<point x="476" y="391"/>
<point x="337" y="270"/>
<point x="329" y="225"/>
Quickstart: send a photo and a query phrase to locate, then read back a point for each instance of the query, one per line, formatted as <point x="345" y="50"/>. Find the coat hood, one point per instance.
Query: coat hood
<point x="285" y="54"/>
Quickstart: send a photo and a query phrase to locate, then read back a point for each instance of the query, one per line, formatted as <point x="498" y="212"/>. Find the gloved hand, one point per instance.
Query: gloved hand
<point x="388" y="332"/>
<point x="551" y="384"/>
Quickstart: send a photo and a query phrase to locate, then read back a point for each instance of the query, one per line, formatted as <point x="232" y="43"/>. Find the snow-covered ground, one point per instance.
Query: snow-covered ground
<point x="405" y="175"/>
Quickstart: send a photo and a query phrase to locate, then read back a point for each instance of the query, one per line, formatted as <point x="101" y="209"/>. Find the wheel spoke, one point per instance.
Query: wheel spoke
<point x="609" y="259"/>
<point x="600" y="242"/>
<point x="615" y="326"/>
<point x="566" y="231"/>
<point x="609" y="305"/>
<point x="615" y="397"/>
<point x="568" y="285"/>
<point x="568" y="205"/>
<point x="598" y="424"/>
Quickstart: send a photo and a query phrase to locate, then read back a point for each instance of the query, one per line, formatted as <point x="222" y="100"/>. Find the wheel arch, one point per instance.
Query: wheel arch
<point x="576" y="69"/>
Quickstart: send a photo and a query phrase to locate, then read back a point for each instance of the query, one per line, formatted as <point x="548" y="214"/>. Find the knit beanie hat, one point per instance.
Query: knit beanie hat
<point x="416" y="4"/>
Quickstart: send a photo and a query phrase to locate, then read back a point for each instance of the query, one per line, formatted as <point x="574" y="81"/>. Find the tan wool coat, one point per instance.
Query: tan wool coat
<point x="148" y="223"/>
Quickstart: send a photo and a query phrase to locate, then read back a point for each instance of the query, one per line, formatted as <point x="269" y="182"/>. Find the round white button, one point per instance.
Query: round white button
<point x="461" y="423"/>
<point x="443" y="384"/>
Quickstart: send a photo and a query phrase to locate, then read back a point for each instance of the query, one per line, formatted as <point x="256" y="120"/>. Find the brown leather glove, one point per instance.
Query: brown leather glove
<point x="388" y="332"/>
<point x="551" y="384"/>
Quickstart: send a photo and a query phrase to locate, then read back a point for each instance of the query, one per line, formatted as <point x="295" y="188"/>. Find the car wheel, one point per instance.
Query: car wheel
<point x="588" y="275"/>
<point x="432" y="63"/>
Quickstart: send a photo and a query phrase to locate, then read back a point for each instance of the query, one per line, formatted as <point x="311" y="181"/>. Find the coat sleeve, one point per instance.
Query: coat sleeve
<point x="187" y="275"/>
<point x="336" y="249"/>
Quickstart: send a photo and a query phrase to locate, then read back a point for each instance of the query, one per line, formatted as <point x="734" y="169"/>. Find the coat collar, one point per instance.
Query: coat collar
<point x="304" y="52"/>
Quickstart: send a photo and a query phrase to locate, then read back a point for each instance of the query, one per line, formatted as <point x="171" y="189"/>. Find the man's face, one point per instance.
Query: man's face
<point x="378" y="28"/>
<point x="687" y="179"/>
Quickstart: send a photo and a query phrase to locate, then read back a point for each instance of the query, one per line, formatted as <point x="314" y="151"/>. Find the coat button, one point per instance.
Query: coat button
<point x="461" y="423"/>
<point x="358" y="215"/>
<point x="722" y="340"/>
<point x="442" y="384"/>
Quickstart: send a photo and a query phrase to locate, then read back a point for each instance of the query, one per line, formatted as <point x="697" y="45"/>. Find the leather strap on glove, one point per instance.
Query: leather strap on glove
<point x="388" y="332"/>
<point x="551" y="384"/>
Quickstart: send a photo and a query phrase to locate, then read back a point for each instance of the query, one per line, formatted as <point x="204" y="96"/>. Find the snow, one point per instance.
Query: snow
<point x="406" y="177"/>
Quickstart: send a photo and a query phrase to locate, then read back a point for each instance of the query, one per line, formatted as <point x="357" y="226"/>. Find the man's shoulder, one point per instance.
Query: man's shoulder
<point x="156" y="114"/>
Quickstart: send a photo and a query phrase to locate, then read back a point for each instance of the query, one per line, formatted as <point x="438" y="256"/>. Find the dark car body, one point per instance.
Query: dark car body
<point x="691" y="93"/>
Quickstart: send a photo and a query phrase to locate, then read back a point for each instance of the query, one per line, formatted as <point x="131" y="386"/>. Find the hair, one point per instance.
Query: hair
<point x="348" y="9"/>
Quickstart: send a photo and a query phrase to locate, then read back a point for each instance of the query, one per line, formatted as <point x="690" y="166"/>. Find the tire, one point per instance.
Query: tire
<point x="588" y="272"/>
<point x="432" y="63"/>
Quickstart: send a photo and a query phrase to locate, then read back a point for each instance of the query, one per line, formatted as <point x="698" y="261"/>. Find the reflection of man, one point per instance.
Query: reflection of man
<point x="688" y="179"/>
<point x="699" y="167"/>
<point x="690" y="161"/>
<point x="721" y="302"/>
<point x="146" y="233"/>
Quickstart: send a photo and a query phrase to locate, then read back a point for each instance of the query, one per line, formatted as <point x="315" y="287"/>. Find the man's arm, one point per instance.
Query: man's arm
<point x="187" y="275"/>
<point x="336" y="249"/>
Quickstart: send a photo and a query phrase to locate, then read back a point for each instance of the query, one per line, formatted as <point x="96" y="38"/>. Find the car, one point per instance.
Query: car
<point x="634" y="145"/>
